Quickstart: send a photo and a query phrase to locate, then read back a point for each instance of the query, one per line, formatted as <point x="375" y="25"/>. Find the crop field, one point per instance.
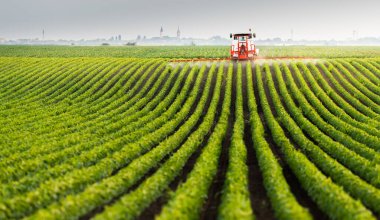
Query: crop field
<point x="131" y="137"/>
<point x="187" y="51"/>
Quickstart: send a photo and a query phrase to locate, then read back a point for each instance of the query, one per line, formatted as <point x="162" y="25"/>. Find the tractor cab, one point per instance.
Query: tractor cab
<point x="243" y="47"/>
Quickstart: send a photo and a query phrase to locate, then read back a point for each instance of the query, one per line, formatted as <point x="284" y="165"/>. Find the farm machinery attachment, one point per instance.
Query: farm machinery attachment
<point x="243" y="46"/>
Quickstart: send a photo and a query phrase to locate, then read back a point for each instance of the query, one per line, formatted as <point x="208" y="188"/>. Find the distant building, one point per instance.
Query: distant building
<point x="161" y="31"/>
<point x="178" y="33"/>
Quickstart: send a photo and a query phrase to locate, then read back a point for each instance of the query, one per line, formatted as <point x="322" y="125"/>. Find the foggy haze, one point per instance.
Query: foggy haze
<point x="90" y="19"/>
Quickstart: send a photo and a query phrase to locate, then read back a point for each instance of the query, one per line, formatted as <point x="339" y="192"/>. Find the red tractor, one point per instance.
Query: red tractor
<point x="243" y="47"/>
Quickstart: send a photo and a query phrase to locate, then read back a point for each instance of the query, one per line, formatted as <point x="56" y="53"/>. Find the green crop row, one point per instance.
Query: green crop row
<point x="185" y="51"/>
<point x="40" y="148"/>
<point x="335" y="103"/>
<point x="359" y="165"/>
<point x="187" y="201"/>
<point x="87" y="175"/>
<point x="368" y="70"/>
<point x="115" y="185"/>
<point x="59" y="156"/>
<point x="147" y="118"/>
<point x="283" y="201"/>
<point x="330" y="198"/>
<point x="358" y="77"/>
<point x="351" y="84"/>
<point x="102" y="150"/>
<point x="343" y="91"/>
<point x="131" y="205"/>
<point x="128" y="138"/>
<point x="235" y="201"/>
<point x="349" y="136"/>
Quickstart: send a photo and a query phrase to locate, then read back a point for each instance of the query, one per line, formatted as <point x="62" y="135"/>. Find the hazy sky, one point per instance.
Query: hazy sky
<point x="77" y="19"/>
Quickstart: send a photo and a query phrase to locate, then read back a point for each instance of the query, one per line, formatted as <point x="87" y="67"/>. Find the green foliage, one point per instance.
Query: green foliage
<point x="283" y="201"/>
<point x="187" y="201"/>
<point x="330" y="198"/>
<point x="108" y="137"/>
<point x="186" y="52"/>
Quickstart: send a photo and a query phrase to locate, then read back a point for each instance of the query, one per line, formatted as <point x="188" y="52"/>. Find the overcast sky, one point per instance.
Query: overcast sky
<point x="90" y="19"/>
